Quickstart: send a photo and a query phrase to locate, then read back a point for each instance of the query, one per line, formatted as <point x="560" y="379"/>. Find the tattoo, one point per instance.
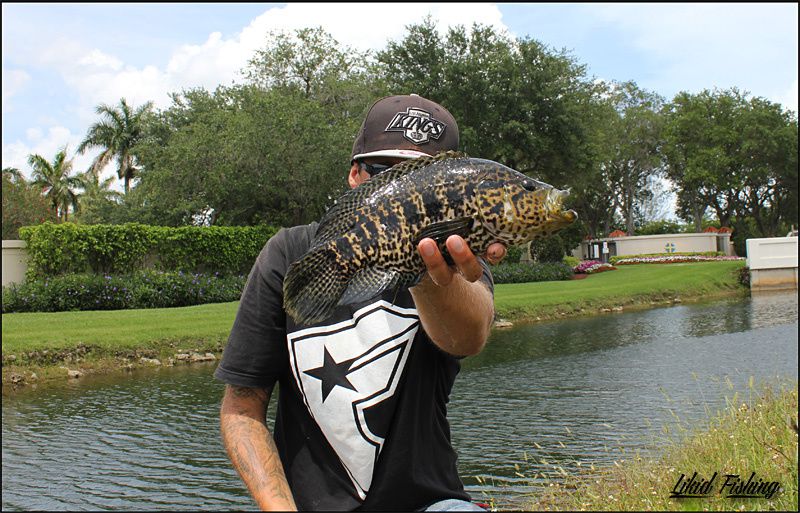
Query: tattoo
<point x="252" y="450"/>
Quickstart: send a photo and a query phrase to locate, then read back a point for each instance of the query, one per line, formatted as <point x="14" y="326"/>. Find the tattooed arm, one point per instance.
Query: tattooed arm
<point x="251" y="448"/>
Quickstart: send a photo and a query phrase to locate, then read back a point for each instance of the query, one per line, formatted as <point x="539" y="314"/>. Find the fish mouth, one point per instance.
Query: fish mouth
<point x="553" y="204"/>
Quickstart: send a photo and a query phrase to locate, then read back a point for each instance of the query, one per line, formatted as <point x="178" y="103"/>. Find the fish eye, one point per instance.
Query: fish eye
<point x="530" y="185"/>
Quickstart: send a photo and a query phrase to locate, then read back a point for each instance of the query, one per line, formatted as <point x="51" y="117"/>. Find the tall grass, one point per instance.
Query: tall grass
<point x="756" y="433"/>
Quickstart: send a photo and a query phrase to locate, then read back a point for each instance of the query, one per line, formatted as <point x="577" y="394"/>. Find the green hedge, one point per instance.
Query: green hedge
<point x="614" y="259"/>
<point x="526" y="273"/>
<point x="141" y="289"/>
<point x="65" y="248"/>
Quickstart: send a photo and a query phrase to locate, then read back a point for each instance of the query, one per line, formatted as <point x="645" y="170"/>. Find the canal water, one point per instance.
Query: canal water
<point x="580" y="391"/>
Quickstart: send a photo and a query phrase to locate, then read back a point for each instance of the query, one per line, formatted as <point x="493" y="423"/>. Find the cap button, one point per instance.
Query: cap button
<point x="413" y="94"/>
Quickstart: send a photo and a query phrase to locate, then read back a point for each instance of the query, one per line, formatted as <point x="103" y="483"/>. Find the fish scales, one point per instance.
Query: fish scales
<point x="367" y="242"/>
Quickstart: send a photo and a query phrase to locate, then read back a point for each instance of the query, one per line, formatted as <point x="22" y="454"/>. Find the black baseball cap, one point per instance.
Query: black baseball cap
<point x="405" y="126"/>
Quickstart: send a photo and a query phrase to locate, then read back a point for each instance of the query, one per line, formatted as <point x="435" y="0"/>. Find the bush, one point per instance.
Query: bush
<point x="525" y="273"/>
<point x="660" y="227"/>
<point x="744" y="276"/>
<point x="549" y="250"/>
<point x="514" y="253"/>
<point x="67" y="248"/>
<point x="571" y="261"/>
<point x="143" y="289"/>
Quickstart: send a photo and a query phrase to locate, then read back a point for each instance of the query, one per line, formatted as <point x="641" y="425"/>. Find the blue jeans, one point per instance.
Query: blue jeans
<point x="454" y="505"/>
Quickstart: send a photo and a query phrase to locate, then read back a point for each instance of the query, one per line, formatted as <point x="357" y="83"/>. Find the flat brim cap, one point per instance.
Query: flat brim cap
<point x="405" y="126"/>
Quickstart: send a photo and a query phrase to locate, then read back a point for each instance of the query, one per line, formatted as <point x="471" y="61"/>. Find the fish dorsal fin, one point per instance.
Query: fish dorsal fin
<point x="339" y="218"/>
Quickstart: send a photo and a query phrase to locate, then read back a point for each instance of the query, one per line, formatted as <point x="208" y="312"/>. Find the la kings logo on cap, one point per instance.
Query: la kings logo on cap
<point x="417" y="125"/>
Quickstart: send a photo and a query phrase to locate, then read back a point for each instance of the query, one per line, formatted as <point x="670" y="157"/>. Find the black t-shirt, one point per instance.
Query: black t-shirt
<point x="362" y="404"/>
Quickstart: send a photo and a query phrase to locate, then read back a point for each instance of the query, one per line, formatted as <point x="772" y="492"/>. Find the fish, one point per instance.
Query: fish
<point x="367" y="241"/>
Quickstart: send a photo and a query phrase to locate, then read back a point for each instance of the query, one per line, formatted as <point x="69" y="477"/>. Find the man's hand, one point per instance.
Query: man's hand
<point x="465" y="261"/>
<point x="456" y="310"/>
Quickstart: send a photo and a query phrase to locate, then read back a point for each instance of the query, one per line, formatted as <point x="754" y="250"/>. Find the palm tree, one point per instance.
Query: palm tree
<point x="56" y="183"/>
<point x="13" y="175"/>
<point x="116" y="133"/>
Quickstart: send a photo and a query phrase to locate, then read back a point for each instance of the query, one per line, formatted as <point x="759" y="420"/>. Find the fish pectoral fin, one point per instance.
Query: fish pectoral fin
<point x="368" y="283"/>
<point x="441" y="231"/>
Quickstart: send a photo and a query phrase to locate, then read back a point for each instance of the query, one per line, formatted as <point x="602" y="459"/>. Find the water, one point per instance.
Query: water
<point x="579" y="390"/>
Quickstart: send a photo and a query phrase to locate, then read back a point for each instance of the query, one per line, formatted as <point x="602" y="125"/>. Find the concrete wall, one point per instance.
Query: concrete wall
<point x="665" y="243"/>
<point x="772" y="263"/>
<point x="15" y="261"/>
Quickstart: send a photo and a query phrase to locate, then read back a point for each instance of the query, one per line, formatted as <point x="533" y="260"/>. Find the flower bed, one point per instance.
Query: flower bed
<point x="676" y="259"/>
<point x="592" y="267"/>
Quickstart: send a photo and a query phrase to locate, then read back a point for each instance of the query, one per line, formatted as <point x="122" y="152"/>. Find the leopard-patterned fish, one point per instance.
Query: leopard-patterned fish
<point x="366" y="243"/>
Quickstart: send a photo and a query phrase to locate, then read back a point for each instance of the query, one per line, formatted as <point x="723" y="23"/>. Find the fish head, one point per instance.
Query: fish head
<point x="517" y="209"/>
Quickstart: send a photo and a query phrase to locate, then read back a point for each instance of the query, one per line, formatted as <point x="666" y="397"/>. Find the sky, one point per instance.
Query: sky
<point x="62" y="60"/>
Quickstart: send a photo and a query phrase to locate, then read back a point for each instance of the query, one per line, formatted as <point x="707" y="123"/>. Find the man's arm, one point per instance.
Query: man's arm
<point x="455" y="308"/>
<point x="251" y="448"/>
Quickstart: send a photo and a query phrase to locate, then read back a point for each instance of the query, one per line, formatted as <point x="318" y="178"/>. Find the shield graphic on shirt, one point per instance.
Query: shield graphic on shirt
<point x="347" y="374"/>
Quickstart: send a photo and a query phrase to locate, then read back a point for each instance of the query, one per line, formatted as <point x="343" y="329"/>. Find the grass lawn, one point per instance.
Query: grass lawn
<point x="628" y="285"/>
<point x="206" y="327"/>
<point x="117" y="329"/>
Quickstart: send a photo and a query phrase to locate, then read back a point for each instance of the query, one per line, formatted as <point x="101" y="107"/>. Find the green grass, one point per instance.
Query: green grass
<point x="116" y="329"/>
<point x="628" y="285"/>
<point x="107" y="333"/>
<point x="753" y="434"/>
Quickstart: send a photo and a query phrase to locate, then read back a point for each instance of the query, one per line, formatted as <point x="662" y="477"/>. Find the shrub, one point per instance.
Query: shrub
<point x="571" y="261"/>
<point x="549" y="250"/>
<point x="525" y="273"/>
<point x="660" y="227"/>
<point x="744" y="276"/>
<point x="514" y="253"/>
<point x="143" y="289"/>
<point x="67" y="248"/>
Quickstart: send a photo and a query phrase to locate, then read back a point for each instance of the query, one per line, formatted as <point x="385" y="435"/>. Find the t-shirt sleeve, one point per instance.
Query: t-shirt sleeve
<point x="256" y="354"/>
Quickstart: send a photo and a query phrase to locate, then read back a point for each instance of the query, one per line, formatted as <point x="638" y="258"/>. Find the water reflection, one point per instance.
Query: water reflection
<point x="556" y="393"/>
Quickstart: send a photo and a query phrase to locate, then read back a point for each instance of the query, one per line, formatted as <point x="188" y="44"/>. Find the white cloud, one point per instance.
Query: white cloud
<point x="13" y="82"/>
<point x="697" y="46"/>
<point x="96" y="76"/>
<point x="98" y="59"/>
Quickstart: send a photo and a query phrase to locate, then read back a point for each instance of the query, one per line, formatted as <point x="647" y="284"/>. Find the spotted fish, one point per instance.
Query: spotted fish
<point x="366" y="243"/>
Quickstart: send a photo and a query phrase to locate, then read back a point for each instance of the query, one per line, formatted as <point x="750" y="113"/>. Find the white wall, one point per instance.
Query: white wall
<point x="15" y="261"/>
<point x="772" y="263"/>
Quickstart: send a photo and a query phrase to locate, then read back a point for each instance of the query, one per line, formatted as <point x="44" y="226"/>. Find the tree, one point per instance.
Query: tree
<point x="23" y="205"/>
<point x="118" y="131"/>
<point x="736" y="155"/>
<point x="98" y="200"/>
<point x="634" y="140"/>
<point x="311" y="61"/>
<point x="516" y="102"/>
<point x="275" y="150"/>
<point x="55" y="182"/>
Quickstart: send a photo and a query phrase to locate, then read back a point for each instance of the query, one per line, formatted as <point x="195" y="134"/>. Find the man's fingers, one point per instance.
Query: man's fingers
<point x="439" y="271"/>
<point x="495" y="253"/>
<point x="464" y="258"/>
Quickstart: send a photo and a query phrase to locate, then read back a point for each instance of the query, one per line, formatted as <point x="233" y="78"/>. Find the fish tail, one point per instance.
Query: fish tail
<point x="314" y="284"/>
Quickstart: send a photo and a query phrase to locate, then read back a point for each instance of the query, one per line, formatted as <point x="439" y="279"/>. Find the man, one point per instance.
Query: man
<point x="361" y="418"/>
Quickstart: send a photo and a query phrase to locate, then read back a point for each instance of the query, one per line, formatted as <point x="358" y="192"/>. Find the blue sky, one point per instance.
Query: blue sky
<point x="61" y="60"/>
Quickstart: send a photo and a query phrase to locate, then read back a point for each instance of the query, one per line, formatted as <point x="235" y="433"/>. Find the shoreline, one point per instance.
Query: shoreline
<point x="40" y="368"/>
